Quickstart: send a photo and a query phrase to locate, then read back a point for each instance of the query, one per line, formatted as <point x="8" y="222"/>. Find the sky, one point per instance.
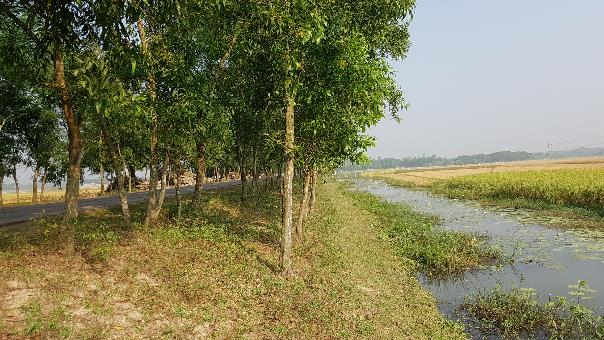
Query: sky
<point x="484" y="76"/>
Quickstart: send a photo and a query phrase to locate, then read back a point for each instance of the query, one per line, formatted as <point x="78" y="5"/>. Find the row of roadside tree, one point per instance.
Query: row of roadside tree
<point x="261" y="87"/>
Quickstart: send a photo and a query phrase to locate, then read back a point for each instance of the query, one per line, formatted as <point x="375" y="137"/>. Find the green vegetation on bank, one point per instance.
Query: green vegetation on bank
<point x="396" y="182"/>
<point x="214" y="273"/>
<point x="434" y="251"/>
<point x="518" y="312"/>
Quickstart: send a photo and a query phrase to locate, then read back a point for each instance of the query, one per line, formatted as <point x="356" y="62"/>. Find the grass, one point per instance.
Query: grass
<point x="214" y="273"/>
<point x="519" y="313"/>
<point x="434" y="251"/>
<point x="398" y="182"/>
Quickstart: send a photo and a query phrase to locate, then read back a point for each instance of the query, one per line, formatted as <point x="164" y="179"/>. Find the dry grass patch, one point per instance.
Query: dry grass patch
<point x="25" y="198"/>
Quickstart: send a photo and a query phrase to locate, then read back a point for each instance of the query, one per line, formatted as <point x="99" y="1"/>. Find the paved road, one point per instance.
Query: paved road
<point x="12" y="215"/>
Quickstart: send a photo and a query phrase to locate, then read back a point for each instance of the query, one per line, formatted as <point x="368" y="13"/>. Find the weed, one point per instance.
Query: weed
<point x="435" y="252"/>
<point x="50" y="324"/>
<point x="96" y="240"/>
<point x="518" y="312"/>
<point x="569" y="198"/>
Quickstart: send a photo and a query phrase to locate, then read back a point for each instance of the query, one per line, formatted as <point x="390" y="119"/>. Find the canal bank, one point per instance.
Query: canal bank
<point x="549" y="260"/>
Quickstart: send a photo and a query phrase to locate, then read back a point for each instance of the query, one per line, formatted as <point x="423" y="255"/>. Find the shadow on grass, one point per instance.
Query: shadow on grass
<point x="219" y="216"/>
<point x="251" y="224"/>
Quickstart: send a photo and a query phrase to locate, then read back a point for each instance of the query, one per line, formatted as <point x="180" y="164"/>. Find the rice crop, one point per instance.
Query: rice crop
<point x="571" y="187"/>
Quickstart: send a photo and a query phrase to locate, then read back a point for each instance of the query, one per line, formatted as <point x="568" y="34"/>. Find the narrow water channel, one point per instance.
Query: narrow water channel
<point x="546" y="259"/>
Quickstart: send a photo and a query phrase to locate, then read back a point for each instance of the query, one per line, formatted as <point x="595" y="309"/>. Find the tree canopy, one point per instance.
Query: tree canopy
<point x="256" y="88"/>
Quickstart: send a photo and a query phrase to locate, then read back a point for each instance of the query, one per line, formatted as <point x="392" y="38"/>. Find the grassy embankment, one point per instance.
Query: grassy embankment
<point x="570" y="197"/>
<point x="214" y="273"/>
<point x="432" y="251"/>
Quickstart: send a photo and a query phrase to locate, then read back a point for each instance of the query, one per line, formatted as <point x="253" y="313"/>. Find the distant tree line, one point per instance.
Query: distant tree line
<point x="501" y="156"/>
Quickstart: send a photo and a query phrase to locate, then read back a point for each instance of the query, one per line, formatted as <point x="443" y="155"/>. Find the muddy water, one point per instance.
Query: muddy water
<point x="546" y="259"/>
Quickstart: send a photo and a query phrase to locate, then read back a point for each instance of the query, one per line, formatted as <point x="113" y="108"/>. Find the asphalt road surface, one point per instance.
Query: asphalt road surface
<point x="17" y="214"/>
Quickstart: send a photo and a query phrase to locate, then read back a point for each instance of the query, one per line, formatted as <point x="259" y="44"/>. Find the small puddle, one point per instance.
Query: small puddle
<point x="546" y="259"/>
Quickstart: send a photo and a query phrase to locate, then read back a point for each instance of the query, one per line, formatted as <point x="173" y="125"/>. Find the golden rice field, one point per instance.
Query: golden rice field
<point x="574" y="187"/>
<point x="426" y="176"/>
<point x="572" y="182"/>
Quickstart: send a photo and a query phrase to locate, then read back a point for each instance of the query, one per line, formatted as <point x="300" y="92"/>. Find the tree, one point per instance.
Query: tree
<point x="12" y="103"/>
<point x="40" y="132"/>
<point x="279" y="33"/>
<point x="54" y="31"/>
<point x="211" y="86"/>
<point x="346" y="86"/>
<point x="287" y="57"/>
<point x="157" y="61"/>
<point x="108" y="108"/>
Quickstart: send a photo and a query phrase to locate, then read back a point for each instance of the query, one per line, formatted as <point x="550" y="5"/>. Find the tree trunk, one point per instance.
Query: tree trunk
<point x="131" y="175"/>
<point x="169" y="178"/>
<point x="243" y="175"/>
<point x="152" y="201"/>
<point x="102" y="177"/>
<point x="200" y="172"/>
<point x="242" y="171"/>
<point x="1" y="189"/>
<point x="34" y="186"/>
<point x="154" y="215"/>
<point x="255" y="171"/>
<point x="123" y="195"/>
<point x="43" y="189"/>
<point x="177" y="189"/>
<point x="16" y="183"/>
<point x="72" y="188"/>
<point x="115" y="163"/>
<point x="287" y="189"/>
<point x="127" y="173"/>
<point x="313" y="191"/>
<point x="101" y="170"/>
<point x="304" y="204"/>
<point x="162" y="193"/>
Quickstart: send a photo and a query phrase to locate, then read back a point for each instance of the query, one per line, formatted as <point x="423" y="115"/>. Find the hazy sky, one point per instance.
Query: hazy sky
<point x="483" y="76"/>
